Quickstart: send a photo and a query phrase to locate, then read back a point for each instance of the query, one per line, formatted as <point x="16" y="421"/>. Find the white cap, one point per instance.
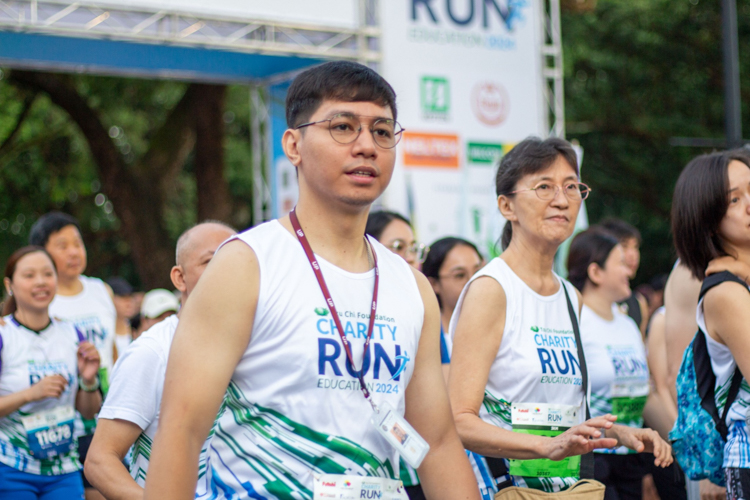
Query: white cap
<point x="157" y="302"/>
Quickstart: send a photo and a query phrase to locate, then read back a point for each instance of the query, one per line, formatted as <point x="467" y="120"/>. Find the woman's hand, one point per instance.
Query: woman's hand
<point x="644" y="440"/>
<point x="581" y="439"/>
<point x="51" y="386"/>
<point x="88" y="362"/>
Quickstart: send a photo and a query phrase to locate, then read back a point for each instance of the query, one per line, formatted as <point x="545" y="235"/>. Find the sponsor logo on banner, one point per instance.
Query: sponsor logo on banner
<point x="484" y="153"/>
<point x="434" y="94"/>
<point x="491" y="23"/>
<point x="430" y="150"/>
<point x="490" y="103"/>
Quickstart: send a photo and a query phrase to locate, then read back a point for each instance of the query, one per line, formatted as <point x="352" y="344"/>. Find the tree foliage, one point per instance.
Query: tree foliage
<point x="638" y="73"/>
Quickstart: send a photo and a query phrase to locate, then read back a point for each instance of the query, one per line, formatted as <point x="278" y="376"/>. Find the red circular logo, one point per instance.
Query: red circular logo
<point x="490" y="103"/>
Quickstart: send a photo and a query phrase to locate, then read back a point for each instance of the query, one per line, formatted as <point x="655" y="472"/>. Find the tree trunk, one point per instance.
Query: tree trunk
<point x="214" y="201"/>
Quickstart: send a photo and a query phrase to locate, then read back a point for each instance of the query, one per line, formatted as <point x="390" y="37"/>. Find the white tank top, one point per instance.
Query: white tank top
<point x="737" y="449"/>
<point x="617" y="368"/>
<point x="293" y="406"/>
<point x="26" y="357"/>
<point x="537" y="363"/>
<point x="93" y="313"/>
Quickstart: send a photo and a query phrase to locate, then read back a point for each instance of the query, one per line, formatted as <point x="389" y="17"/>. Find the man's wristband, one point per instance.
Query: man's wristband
<point x="89" y="388"/>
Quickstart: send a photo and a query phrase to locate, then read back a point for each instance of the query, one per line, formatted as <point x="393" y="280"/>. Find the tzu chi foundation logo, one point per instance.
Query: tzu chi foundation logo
<point x="490" y="103"/>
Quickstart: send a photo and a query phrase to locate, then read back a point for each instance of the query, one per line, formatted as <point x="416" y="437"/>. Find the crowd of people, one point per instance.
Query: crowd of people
<point x="329" y="354"/>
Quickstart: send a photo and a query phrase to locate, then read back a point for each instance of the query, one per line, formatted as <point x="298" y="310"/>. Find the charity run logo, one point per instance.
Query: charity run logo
<point x="558" y="355"/>
<point x="489" y="24"/>
<point x="385" y="360"/>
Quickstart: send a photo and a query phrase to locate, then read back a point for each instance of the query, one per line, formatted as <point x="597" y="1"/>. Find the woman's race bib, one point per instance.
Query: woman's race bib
<point x="50" y="433"/>
<point x="548" y="420"/>
<point x="356" y="487"/>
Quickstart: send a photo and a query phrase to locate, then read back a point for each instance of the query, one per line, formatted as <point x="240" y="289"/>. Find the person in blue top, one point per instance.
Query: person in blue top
<point x="449" y="265"/>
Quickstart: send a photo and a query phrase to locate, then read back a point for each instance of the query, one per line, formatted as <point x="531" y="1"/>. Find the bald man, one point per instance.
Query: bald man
<point x="130" y="415"/>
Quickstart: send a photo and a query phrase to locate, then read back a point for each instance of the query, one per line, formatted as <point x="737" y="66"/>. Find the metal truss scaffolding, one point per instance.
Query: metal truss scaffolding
<point x="552" y="69"/>
<point x="88" y="19"/>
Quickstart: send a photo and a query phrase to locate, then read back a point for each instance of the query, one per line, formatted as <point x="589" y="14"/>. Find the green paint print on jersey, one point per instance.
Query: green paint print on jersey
<point x="498" y="408"/>
<point x="281" y="438"/>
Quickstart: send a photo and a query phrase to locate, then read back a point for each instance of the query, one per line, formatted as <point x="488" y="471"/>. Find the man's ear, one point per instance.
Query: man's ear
<point x="290" y="142"/>
<point x="178" y="278"/>
<point x="507" y="207"/>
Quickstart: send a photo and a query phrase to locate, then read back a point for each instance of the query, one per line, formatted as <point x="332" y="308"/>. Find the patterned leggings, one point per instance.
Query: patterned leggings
<point x="738" y="483"/>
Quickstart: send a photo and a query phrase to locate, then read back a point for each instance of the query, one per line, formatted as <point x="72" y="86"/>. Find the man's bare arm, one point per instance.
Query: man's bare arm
<point x="104" y="468"/>
<point x="445" y="473"/>
<point x="213" y="333"/>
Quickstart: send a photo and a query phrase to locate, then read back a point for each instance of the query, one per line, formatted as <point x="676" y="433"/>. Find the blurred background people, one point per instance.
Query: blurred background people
<point x="125" y="305"/>
<point x="615" y="357"/>
<point x="394" y="231"/>
<point x="47" y="371"/>
<point x="158" y="304"/>
<point x="84" y="301"/>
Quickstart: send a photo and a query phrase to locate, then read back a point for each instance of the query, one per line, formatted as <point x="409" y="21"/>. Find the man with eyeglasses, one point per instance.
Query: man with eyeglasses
<point x="325" y="343"/>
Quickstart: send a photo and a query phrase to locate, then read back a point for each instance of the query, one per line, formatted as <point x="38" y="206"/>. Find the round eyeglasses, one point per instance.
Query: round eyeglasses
<point x="346" y="127"/>
<point x="547" y="191"/>
<point x="419" y="250"/>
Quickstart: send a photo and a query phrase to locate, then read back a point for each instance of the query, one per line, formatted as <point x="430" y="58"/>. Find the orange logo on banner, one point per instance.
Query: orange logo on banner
<point x="430" y="150"/>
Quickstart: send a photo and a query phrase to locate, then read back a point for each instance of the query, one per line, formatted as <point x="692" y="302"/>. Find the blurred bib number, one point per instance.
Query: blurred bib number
<point x="549" y="420"/>
<point x="50" y="433"/>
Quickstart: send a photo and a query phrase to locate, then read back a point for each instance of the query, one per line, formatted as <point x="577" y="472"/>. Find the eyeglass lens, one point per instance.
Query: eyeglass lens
<point x="345" y="128"/>
<point x="574" y="191"/>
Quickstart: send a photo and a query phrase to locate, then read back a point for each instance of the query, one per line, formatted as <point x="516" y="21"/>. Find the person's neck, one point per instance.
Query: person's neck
<point x="122" y="326"/>
<point x="445" y="320"/>
<point x="31" y="319"/>
<point x="335" y="235"/>
<point x="741" y="254"/>
<point x="598" y="303"/>
<point x="533" y="264"/>
<point x="69" y="286"/>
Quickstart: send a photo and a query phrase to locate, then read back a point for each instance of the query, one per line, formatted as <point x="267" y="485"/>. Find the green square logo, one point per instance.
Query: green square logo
<point x="435" y="97"/>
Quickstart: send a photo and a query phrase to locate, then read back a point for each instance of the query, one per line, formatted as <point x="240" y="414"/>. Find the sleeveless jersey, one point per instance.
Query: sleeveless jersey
<point x="25" y="358"/>
<point x="294" y="407"/>
<point x="737" y="449"/>
<point x="93" y="313"/>
<point x="136" y="391"/>
<point x="536" y="364"/>
<point x="618" y="369"/>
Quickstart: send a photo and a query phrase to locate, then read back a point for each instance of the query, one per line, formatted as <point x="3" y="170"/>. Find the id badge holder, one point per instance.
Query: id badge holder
<point x="399" y="434"/>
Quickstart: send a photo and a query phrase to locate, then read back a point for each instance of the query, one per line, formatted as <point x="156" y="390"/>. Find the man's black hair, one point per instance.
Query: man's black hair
<point x="48" y="224"/>
<point x="338" y="81"/>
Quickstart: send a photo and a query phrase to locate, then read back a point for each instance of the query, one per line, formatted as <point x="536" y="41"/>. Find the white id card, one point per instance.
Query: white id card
<point x="402" y="436"/>
<point x="356" y="487"/>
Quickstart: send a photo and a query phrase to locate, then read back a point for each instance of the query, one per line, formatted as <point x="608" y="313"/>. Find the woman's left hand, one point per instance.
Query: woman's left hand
<point x="641" y="440"/>
<point x="88" y="362"/>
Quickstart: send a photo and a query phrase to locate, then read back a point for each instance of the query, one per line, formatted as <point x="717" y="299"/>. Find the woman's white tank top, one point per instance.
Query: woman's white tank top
<point x="294" y="407"/>
<point x="537" y="362"/>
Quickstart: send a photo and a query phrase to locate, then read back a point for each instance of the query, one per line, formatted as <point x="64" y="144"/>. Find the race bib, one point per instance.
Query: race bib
<point x="544" y="420"/>
<point x="628" y="401"/>
<point x="356" y="487"/>
<point x="50" y="433"/>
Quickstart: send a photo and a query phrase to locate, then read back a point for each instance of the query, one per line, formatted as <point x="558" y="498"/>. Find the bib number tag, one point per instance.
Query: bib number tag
<point x="399" y="434"/>
<point x="544" y="420"/>
<point x="628" y="401"/>
<point x="356" y="487"/>
<point x="50" y="433"/>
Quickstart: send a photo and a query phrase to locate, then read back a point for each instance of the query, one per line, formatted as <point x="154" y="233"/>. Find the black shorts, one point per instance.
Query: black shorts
<point x="738" y="483"/>
<point x="83" y="448"/>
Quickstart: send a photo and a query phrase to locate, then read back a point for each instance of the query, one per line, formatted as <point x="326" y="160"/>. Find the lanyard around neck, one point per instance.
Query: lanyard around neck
<point x="332" y="307"/>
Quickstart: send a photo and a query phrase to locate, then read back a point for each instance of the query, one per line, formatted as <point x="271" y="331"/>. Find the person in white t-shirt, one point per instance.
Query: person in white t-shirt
<point x="47" y="372"/>
<point x="130" y="415"/>
<point x="278" y="327"/>
<point x="82" y="300"/>
<point x="615" y="357"/>
<point x="158" y="304"/>
<point x="126" y="308"/>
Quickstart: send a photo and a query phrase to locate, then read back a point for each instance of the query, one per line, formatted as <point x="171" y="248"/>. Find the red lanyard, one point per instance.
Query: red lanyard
<point x="332" y="307"/>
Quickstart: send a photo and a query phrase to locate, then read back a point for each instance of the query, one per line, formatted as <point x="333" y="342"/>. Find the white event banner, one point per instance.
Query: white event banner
<point x="468" y="76"/>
